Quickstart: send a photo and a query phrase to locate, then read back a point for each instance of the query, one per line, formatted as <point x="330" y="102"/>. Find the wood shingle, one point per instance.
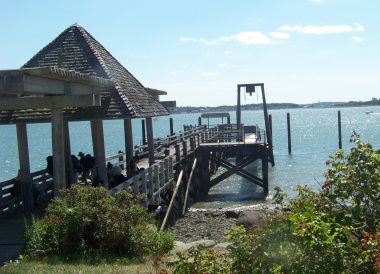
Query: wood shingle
<point x="75" y="49"/>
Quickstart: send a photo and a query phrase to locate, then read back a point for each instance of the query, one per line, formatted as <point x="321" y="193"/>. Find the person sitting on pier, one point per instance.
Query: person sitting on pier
<point x="116" y="177"/>
<point x="86" y="162"/>
<point x="109" y="168"/>
<point x="133" y="169"/>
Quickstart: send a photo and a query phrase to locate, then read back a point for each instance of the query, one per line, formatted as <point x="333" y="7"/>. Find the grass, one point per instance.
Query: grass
<point x="57" y="267"/>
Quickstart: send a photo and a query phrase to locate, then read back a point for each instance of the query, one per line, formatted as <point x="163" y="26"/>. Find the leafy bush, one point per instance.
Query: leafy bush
<point x="88" y="221"/>
<point x="335" y="230"/>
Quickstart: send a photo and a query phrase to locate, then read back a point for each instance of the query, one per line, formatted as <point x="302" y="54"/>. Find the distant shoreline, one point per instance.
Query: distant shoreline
<point x="188" y="109"/>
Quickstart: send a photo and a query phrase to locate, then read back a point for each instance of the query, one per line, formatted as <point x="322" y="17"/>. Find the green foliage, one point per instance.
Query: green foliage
<point x="335" y="230"/>
<point x="89" y="222"/>
<point x="199" y="260"/>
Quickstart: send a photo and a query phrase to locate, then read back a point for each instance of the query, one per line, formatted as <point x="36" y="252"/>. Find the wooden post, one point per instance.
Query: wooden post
<point x="143" y="131"/>
<point x="199" y="121"/>
<point x="121" y="159"/>
<point x="68" y="161"/>
<point x="128" y="141"/>
<point x="25" y="177"/>
<point x="264" y="166"/>
<point x="289" y="137"/>
<point x="99" y="150"/>
<point x="192" y="145"/>
<point x="177" y="153"/>
<point x="188" y="186"/>
<point x="238" y="111"/>
<point x="184" y="149"/>
<point x="171" y="127"/>
<point x="270" y="126"/>
<point x="58" y="151"/>
<point x="172" y="201"/>
<point x="205" y="180"/>
<point x="339" y="130"/>
<point x="149" y="127"/>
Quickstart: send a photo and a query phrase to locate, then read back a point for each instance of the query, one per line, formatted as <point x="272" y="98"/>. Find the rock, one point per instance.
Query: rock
<point x="255" y="218"/>
<point x="222" y="247"/>
<point x="232" y="214"/>
<point x="250" y="218"/>
<point x="199" y="244"/>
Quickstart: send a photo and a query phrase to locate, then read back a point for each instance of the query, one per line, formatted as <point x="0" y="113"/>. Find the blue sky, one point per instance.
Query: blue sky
<point x="304" y="51"/>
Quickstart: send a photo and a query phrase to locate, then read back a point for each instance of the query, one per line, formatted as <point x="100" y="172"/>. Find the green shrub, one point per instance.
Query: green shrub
<point x="199" y="261"/>
<point x="334" y="230"/>
<point x="88" y="221"/>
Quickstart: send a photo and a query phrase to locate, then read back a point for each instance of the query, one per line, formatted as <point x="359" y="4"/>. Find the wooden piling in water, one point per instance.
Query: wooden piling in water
<point x="339" y="130"/>
<point x="171" y="127"/>
<point x="289" y="135"/>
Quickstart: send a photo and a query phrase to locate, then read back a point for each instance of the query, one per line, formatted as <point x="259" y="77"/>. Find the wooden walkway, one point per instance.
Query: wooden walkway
<point x="174" y="159"/>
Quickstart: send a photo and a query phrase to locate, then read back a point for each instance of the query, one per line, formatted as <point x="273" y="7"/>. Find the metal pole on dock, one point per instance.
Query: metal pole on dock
<point x="270" y="126"/>
<point x="289" y="137"/>
<point x="339" y="130"/>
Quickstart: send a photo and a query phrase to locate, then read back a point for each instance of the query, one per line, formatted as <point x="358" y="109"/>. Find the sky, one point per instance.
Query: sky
<point x="198" y="51"/>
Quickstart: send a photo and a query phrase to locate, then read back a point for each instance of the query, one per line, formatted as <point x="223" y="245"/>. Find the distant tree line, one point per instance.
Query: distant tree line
<point x="225" y="108"/>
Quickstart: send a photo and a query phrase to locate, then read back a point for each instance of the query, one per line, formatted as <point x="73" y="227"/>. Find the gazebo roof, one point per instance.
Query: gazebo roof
<point x="75" y="49"/>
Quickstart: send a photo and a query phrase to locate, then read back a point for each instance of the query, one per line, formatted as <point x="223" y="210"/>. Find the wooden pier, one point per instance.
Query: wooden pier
<point x="183" y="165"/>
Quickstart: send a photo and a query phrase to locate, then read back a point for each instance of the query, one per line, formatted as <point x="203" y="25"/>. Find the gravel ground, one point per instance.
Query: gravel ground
<point x="203" y="225"/>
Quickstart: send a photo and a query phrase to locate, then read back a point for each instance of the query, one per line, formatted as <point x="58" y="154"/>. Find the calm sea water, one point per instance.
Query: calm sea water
<point x="314" y="134"/>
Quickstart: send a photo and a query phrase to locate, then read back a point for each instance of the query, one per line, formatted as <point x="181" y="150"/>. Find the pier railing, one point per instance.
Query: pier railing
<point x="151" y="181"/>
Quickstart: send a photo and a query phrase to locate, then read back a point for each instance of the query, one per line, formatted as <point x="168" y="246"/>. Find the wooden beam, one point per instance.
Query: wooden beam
<point x="25" y="177"/>
<point x="59" y="166"/>
<point x="50" y="102"/>
<point x="25" y="84"/>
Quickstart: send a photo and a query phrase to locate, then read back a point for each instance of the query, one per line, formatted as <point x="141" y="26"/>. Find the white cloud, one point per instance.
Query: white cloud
<point x="203" y="40"/>
<point x="210" y="74"/>
<point x="319" y="30"/>
<point x="222" y="65"/>
<point x="279" y="35"/>
<point x="357" y="39"/>
<point x="227" y="52"/>
<point x="186" y="39"/>
<point x="318" y="1"/>
<point x="249" y="38"/>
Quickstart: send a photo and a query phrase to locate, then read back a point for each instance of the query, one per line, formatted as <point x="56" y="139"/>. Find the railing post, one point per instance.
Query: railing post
<point x="156" y="177"/>
<point x="177" y="153"/>
<point x="184" y="148"/>
<point x="143" y="183"/>
<point x="151" y="185"/>
<point x="162" y="173"/>
<point x="166" y="169"/>
<point x="136" y="185"/>
<point x="121" y="159"/>
<point x="192" y="145"/>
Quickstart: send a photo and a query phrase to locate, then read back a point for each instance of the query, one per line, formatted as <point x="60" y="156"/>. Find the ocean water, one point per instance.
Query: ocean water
<point x="314" y="135"/>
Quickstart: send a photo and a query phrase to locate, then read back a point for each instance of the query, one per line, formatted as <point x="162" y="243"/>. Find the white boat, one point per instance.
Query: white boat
<point x="368" y="111"/>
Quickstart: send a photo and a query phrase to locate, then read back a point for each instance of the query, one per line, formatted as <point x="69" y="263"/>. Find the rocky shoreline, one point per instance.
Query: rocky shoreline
<point x="203" y="225"/>
<point x="215" y="224"/>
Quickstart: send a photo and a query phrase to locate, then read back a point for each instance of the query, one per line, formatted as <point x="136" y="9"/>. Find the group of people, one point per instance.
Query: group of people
<point x="83" y="166"/>
<point x="87" y="162"/>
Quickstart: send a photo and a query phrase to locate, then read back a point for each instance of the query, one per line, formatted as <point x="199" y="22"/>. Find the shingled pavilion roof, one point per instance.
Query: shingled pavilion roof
<point x="75" y="49"/>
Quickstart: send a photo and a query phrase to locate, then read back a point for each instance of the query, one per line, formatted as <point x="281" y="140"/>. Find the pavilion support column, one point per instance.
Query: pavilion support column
<point x="59" y="169"/>
<point x="99" y="150"/>
<point x="149" y="129"/>
<point x="68" y="162"/>
<point x="25" y="177"/>
<point x="128" y="141"/>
